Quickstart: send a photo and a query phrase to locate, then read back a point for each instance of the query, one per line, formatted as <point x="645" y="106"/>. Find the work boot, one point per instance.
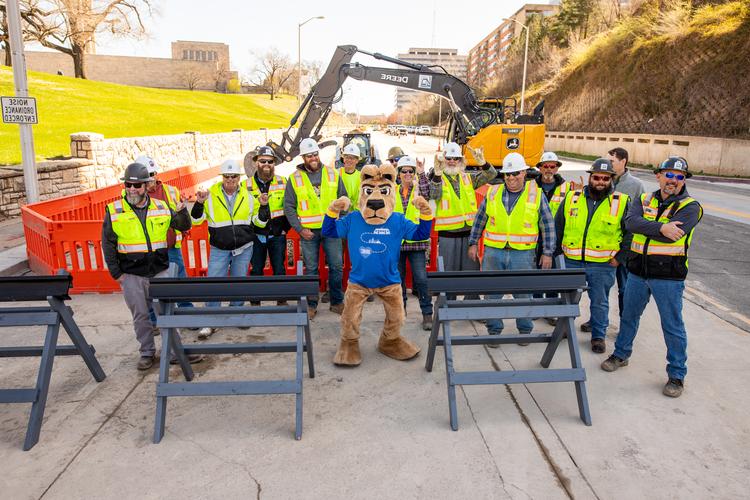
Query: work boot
<point x="155" y="330"/>
<point x="337" y="308"/>
<point x="524" y="344"/>
<point x="205" y="333"/>
<point x="192" y="359"/>
<point x="598" y="346"/>
<point x="325" y="298"/>
<point x="551" y="321"/>
<point x="673" y="388"/>
<point x="494" y="346"/>
<point x="145" y="363"/>
<point x="282" y="303"/>
<point x="612" y="363"/>
<point x="254" y="303"/>
<point x="311" y="312"/>
<point x="586" y="327"/>
<point x="427" y="322"/>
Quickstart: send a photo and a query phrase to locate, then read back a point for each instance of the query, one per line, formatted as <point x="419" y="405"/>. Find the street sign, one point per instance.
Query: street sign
<point x="20" y="110"/>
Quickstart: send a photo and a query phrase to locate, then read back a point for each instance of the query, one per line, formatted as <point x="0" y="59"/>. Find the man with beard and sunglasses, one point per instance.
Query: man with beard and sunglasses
<point x="230" y="212"/>
<point x="512" y="216"/>
<point x="135" y="248"/>
<point x="310" y="189"/>
<point x="662" y="225"/>
<point x="590" y="227"/>
<point x="265" y="185"/>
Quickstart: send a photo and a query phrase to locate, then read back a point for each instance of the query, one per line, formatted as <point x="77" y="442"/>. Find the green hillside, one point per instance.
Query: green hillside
<point x="68" y="105"/>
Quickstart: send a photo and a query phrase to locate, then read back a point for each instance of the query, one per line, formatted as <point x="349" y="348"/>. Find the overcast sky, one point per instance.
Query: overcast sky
<point x="386" y="26"/>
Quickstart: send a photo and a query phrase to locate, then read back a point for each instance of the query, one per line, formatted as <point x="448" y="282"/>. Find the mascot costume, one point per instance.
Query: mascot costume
<point x="374" y="234"/>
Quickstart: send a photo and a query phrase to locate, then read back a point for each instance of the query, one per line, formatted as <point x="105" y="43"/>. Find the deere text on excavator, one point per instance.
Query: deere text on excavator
<point x="491" y="123"/>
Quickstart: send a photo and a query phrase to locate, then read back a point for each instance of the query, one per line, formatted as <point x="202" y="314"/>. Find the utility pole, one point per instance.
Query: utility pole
<point x="299" y="56"/>
<point x="22" y="90"/>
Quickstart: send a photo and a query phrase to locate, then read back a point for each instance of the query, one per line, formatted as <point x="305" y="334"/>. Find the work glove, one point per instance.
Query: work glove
<point x="439" y="164"/>
<point x="478" y="154"/>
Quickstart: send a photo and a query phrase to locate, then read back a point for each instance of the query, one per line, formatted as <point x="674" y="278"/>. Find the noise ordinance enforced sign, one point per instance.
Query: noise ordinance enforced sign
<point x="21" y="110"/>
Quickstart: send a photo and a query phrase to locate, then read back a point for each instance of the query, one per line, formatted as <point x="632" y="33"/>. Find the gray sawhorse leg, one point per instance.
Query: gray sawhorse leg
<point x="83" y="348"/>
<point x="42" y="385"/>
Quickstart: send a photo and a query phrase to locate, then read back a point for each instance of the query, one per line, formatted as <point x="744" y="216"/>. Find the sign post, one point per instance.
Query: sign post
<point x="22" y="95"/>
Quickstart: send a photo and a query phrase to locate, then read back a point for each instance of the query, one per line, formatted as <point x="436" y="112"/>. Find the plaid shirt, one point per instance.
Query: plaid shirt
<point x="424" y="190"/>
<point x="546" y="223"/>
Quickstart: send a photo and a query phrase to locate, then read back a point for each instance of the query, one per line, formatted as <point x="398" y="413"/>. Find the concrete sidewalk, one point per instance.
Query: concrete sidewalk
<point x="381" y="430"/>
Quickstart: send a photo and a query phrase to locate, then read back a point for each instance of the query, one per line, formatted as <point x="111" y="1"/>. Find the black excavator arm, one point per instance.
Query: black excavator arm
<point x="468" y="116"/>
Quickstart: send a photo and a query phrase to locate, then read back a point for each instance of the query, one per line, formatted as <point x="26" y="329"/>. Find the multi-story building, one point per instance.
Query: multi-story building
<point x="447" y="58"/>
<point x="486" y="59"/>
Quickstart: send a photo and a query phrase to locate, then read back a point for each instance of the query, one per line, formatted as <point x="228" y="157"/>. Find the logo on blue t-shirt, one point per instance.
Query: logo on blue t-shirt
<point x="372" y="243"/>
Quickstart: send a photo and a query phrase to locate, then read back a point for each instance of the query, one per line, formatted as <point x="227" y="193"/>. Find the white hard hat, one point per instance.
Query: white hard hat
<point x="407" y="161"/>
<point x="514" y="162"/>
<point x="351" y="149"/>
<point x="308" y="146"/>
<point x="149" y="162"/>
<point x="453" y="150"/>
<point x="231" y="167"/>
<point x="549" y="156"/>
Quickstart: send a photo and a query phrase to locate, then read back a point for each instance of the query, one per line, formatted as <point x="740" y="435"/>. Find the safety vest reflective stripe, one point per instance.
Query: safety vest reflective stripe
<point x="131" y="237"/>
<point x="518" y="229"/>
<point x="298" y="182"/>
<point x="642" y="244"/>
<point x="512" y="238"/>
<point x="597" y="254"/>
<point x="140" y="247"/>
<point x="277" y="213"/>
<point x="449" y="220"/>
<point x="657" y="248"/>
<point x="313" y="219"/>
<point x="304" y="205"/>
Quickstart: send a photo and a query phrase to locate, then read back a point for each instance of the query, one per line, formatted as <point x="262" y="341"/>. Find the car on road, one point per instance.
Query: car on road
<point x="424" y="130"/>
<point x="402" y="130"/>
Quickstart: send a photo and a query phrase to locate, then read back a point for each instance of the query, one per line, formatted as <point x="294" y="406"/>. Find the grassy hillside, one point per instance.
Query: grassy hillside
<point x="67" y="105"/>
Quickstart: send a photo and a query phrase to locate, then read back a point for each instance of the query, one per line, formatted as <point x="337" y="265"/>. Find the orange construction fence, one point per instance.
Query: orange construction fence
<point x="65" y="233"/>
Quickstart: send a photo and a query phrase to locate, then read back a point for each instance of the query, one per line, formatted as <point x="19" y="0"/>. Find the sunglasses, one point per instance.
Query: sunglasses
<point x="452" y="158"/>
<point x="265" y="162"/>
<point x="231" y="176"/>
<point x="672" y="175"/>
<point x="407" y="171"/>
<point x="310" y="155"/>
<point x="600" y="178"/>
<point x="152" y="174"/>
<point x="513" y="174"/>
<point x="136" y="185"/>
<point x="551" y="167"/>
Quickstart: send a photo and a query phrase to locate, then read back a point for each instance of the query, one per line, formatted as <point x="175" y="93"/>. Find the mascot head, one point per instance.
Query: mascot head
<point x="377" y="192"/>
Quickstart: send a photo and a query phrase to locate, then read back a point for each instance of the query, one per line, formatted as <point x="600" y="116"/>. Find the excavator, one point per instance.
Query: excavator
<point x="491" y="123"/>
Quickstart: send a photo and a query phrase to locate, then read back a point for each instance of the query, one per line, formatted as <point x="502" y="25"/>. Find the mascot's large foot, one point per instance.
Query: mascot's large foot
<point x="348" y="353"/>
<point x="398" y="348"/>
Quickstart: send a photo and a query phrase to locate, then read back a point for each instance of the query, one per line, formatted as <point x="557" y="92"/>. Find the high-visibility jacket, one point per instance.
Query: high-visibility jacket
<point x="275" y="195"/>
<point x="656" y="259"/>
<point x="351" y="183"/>
<point x="599" y="239"/>
<point x="412" y="213"/>
<point x="453" y="212"/>
<point x="558" y="197"/>
<point x="173" y="199"/>
<point x="520" y="229"/>
<point x="310" y="206"/>
<point x="137" y="253"/>
<point x="229" y="231"/>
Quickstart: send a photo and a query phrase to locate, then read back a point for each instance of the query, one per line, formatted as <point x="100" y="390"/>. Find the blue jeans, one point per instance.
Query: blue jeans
<point x="622" y="279"/>
<point x="335" y="260"/>
<point x="668" y="297"/>
<point x="222" y="262"/>
<point x="600" y="277"/>
<point x="275" y="248"/>
<point x="175" y="257"/>
<point x="505" y="259"/>
<point x="418" y="263"/>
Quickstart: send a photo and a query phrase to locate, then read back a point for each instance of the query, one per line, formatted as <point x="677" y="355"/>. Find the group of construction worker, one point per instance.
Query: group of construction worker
<point x="608" y="227"/>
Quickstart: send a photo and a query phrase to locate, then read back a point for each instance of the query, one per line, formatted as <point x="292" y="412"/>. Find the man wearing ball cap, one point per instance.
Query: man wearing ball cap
<point x="662" y="225"/>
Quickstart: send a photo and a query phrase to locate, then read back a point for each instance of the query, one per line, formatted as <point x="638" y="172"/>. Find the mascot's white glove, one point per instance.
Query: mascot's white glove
<point x="339" y="205"/>
<point x="439" y="164"/>
<point x="422" y="205"/>
<point x="478" y="155"/>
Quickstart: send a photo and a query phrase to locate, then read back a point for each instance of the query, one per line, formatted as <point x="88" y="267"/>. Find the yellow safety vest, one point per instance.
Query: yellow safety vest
<point x="644" y="245"/>
<point x="217" y="213"/>
<point x="520" y="229"/>
<point x="558" y="197"/>
<point x="275" y="195"/>
<point x="412" y="213"/>
<point x="129" y="230"/>
<point x="173" y="198"/>
<point x="453" y="212"/>
<point x="310" y="206"/>
<point x="351" y="183"/>
<point x="602" y="235"/>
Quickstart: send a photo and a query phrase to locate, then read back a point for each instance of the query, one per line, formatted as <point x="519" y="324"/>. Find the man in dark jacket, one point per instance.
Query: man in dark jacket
<point x="662" y="225"/>
<point x="134" y="244"/>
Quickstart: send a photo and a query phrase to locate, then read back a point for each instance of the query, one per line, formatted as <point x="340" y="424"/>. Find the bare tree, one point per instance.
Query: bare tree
<point x="33" y="22"/>
<point x="272" y="71"/>
<point x="221" y="76"/>
<point x="191" y="78"/>
<point x="69" y="26"/>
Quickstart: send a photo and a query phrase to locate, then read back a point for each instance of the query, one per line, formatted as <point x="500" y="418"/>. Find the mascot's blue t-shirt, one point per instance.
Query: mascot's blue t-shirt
<point x="374" y="249"/>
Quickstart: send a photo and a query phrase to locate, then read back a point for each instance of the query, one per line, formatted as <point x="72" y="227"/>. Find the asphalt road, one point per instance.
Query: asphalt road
<point x="719" y="278"/>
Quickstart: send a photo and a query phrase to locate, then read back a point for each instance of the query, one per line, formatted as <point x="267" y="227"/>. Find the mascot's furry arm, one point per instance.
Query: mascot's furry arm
<point x="423" y="206"/>
<point x="337" y="206"/>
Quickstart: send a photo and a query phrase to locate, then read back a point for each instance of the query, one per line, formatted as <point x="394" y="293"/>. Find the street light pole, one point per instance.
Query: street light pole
<point x="22" y="90"/>
<point x="525" y="59"/>
<point x="299" y="56"/>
